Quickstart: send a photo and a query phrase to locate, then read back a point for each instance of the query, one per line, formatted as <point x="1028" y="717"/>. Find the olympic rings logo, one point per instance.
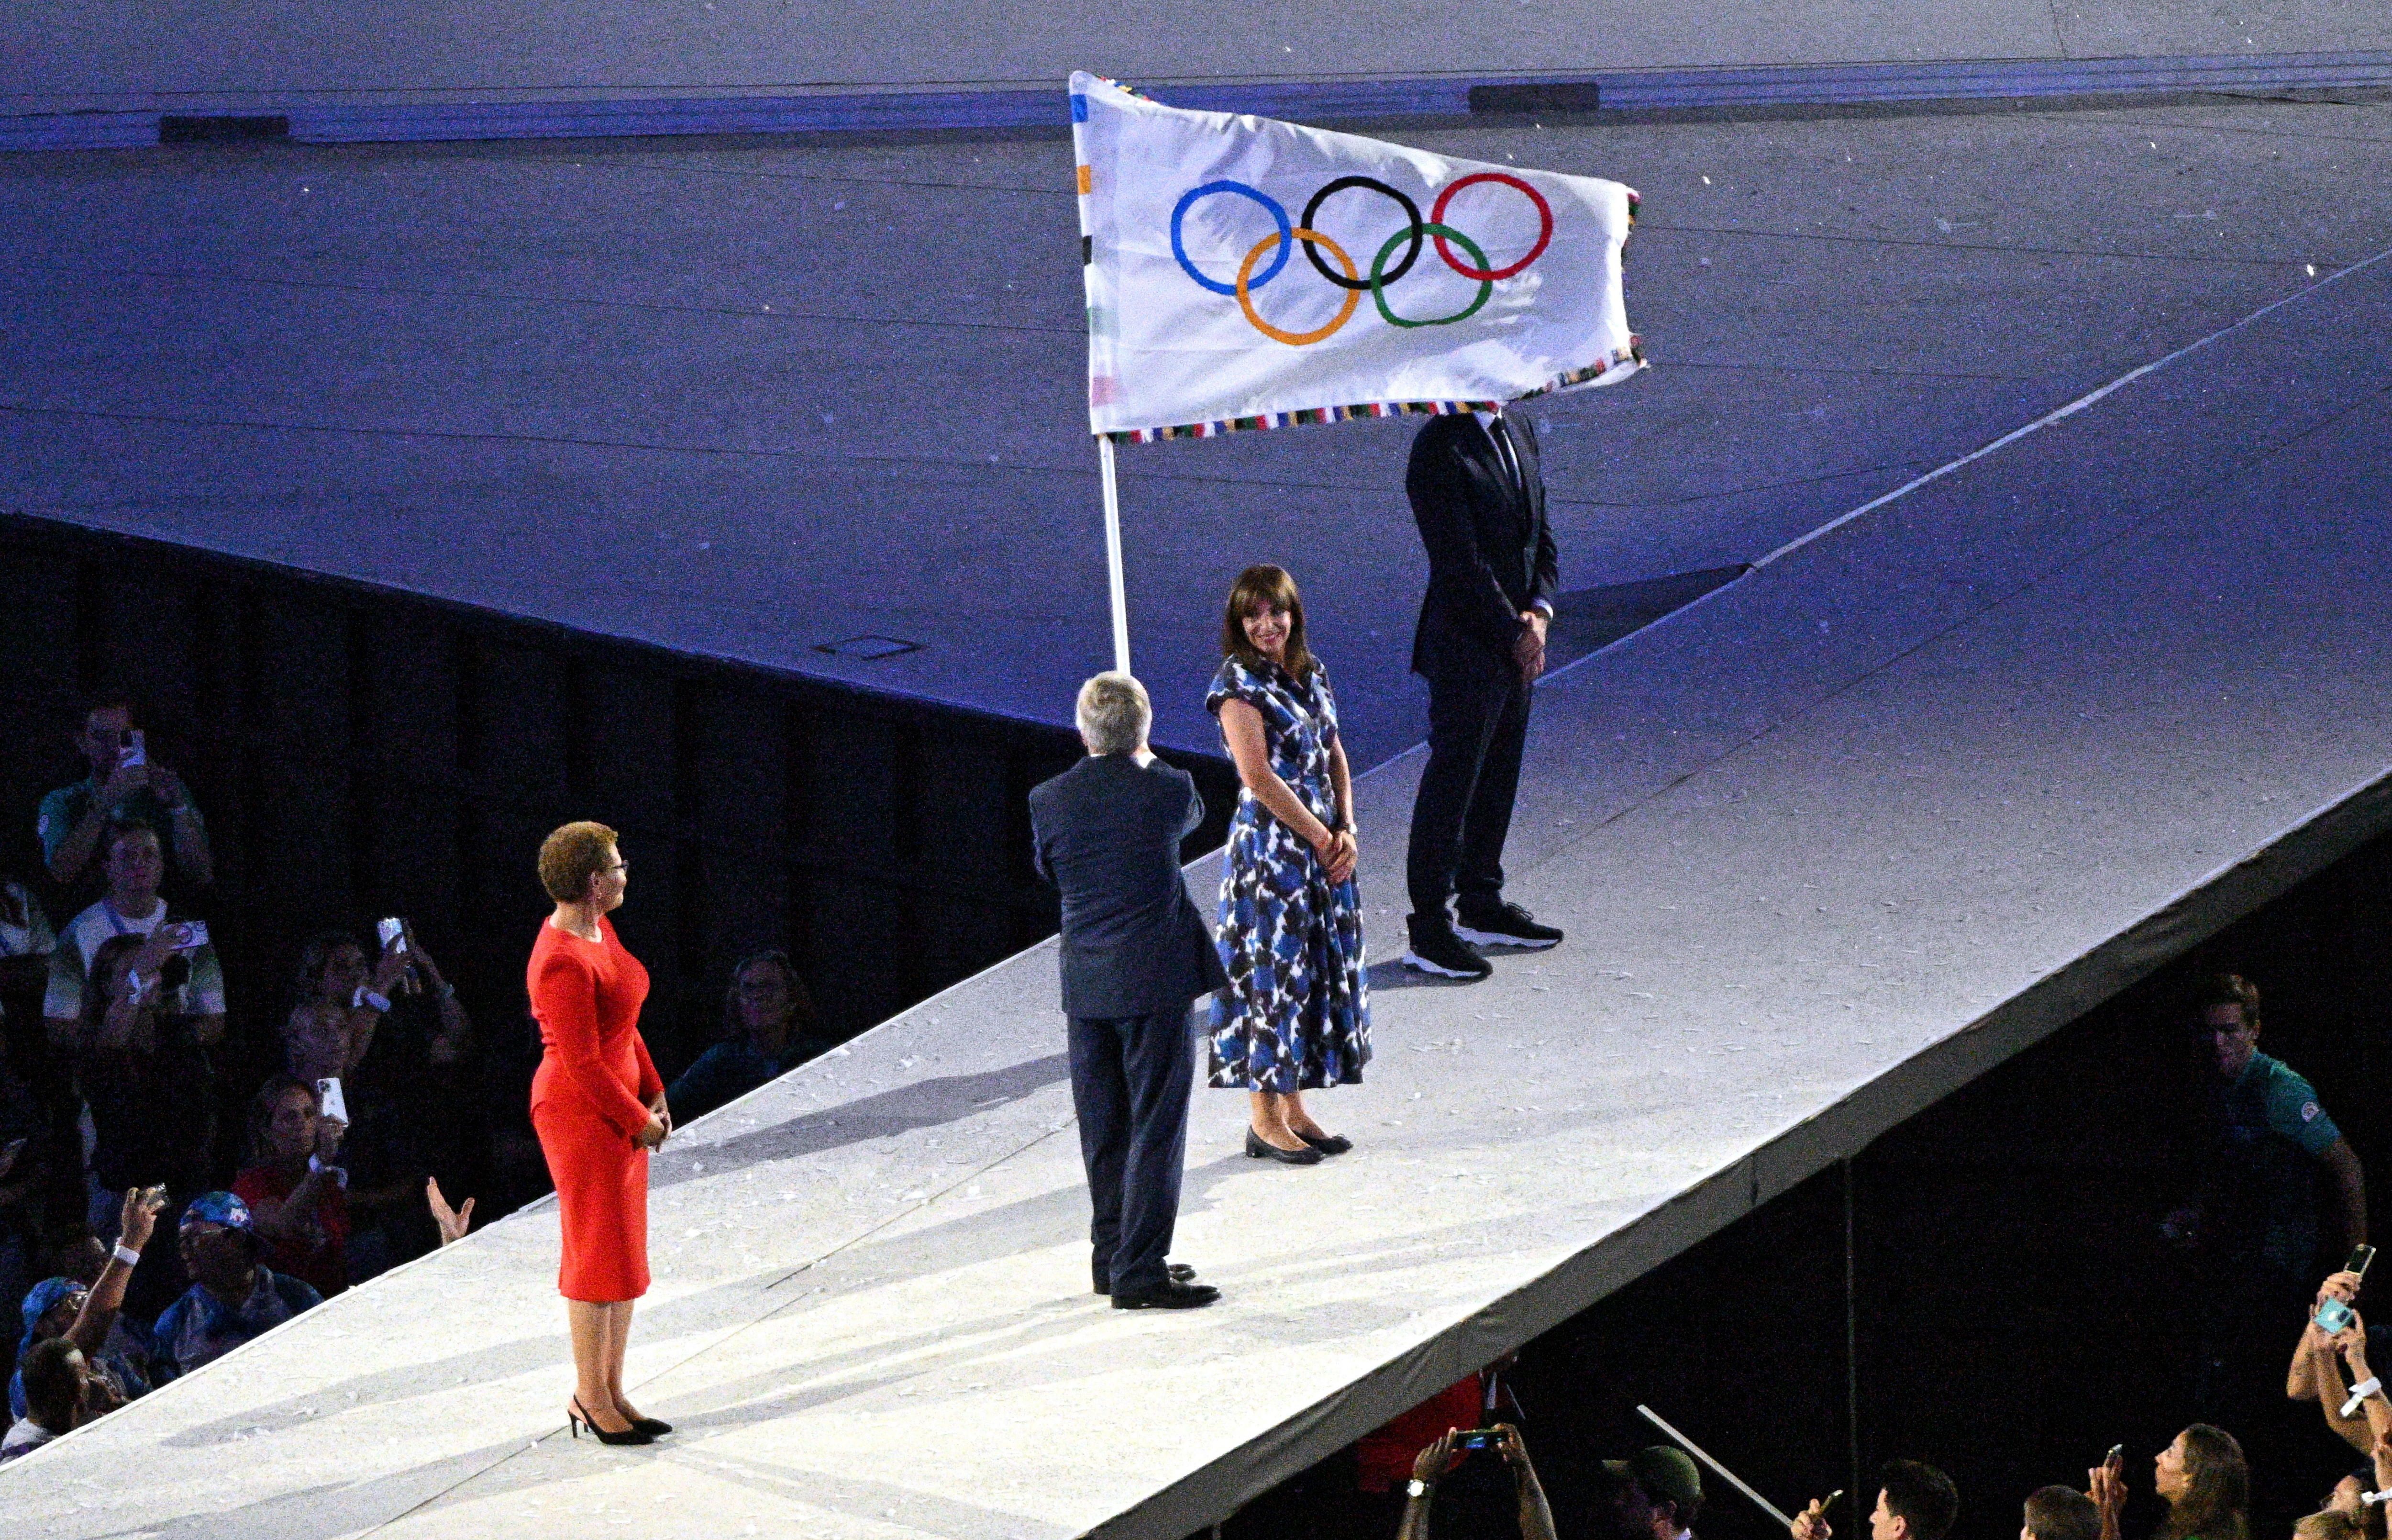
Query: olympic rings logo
<point x="1417" y="232"/>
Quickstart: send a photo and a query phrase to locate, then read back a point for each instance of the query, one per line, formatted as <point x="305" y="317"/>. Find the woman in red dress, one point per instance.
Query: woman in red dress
<point x="598" y="1108"/>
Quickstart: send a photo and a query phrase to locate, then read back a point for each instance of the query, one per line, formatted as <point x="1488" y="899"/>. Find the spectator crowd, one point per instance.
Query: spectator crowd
<point x="154" y="1216"/>
<point x="169" y="1192"/>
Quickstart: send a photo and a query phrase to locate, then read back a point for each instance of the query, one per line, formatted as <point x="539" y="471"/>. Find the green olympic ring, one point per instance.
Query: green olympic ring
<point x="1379" y="267"/>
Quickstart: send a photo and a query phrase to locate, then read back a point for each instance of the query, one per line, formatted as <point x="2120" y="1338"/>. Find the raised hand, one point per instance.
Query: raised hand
<point x="138" y="1218"/>
<point x="1432" y="1461"/>
<point x="453" y="1222"/>
<point x="1811" y="1522"/>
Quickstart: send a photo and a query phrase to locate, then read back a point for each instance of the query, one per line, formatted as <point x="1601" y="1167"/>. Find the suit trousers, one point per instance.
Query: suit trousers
<point x="1477" y="725"/>
<point x="1130" y="1078"/>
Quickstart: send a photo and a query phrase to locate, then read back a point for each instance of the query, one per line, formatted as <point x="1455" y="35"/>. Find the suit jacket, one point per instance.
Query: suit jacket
<point x="1490" y="553"/>
<point x="1107" y="832"/>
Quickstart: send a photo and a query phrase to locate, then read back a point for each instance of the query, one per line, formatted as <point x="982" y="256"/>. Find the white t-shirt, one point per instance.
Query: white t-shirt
<point x="34" y="937"/>
<point x="23" y="1438"/>
<point x="86" y="932"/>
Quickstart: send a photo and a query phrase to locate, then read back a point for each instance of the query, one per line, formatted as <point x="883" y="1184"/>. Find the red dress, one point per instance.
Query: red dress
<point x="590" y="1097"/>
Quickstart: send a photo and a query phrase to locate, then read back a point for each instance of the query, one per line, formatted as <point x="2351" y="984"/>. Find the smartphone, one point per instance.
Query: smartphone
<point x="335" y="1108"/>
<point x="2116" y="1455"/>
<point x="2359" y="1257"/>
<point x="133" y="753"/>
<point x="2333" y="1316"/>
<point x="394" y="936"/>
<point x="1477" y="1438"/>
<point x="194" y="934"/>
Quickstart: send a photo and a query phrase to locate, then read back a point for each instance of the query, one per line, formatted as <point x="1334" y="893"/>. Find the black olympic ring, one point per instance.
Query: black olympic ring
<point x="1411" y="214"/>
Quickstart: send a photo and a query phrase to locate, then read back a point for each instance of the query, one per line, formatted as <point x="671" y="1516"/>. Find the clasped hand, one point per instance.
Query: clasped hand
<point x="1339" y="854"/>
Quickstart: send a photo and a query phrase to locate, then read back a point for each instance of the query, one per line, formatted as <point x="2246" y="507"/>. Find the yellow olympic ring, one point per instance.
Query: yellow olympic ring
<point x="1297" y="339"/>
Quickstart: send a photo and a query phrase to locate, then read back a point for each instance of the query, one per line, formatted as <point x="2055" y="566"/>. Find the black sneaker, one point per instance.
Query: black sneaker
<point x="1441" y="952"/>
<point x="1502" y="925"/>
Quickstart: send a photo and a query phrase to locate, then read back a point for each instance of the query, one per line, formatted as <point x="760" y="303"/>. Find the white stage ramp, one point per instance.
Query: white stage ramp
<point x="1828" y="844"/>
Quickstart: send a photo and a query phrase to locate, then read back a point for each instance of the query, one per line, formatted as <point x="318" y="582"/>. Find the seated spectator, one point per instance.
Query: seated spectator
<point x="2330" y="1525"/>
<point x="2255" y="1222"/>
<point x="2059" y="1513"/>
<point x="130" y="908"/>
<point x="1445" y="1455"/>
<point x="295" y="1193"/>
<point x="233" y="1295"/>
<point x="339" y="1002"/>
<point x="1658" y="1493"/>
<point x="89" y="1317"/>
<point x="26" y="940"/>
<point x="768" y="1029"/>
<point x="2203" y="1479"/>
<point x="25" y="1140"/>
<point x="141" y="1059"/>
<point x="126" y="785"/>
<point x="57" y="1390"/>
<point x="409" y="1097"/>
<point x="1914" y="1501"/>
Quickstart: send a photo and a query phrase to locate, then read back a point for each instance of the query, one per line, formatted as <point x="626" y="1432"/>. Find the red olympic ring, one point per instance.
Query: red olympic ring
<point x="1488" y="274"/>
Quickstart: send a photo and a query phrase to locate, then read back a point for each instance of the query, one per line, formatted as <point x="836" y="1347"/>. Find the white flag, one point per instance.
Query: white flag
<point x="1245" y="273"/>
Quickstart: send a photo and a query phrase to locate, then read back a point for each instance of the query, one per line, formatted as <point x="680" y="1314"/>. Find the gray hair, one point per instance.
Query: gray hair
<point x="1113" y="713"/>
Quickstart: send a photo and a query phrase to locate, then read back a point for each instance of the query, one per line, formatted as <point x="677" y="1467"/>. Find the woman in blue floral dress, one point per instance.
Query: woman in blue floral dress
<point x="1296" y="1014"/>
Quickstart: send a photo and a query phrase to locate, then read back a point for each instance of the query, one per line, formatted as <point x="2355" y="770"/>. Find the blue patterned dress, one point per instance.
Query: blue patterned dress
<point x="1296" y="1014"/>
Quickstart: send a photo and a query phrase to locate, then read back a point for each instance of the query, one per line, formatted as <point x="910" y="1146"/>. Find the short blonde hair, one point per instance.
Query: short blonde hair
<point x="572" y="856"/>
<point x="1113" y="713"/>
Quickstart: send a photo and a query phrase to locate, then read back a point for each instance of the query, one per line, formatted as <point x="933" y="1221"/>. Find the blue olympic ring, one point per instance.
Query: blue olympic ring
<point x="1279" y="259"/>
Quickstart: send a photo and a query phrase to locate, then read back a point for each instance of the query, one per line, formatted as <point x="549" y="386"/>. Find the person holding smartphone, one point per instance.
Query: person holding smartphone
<point x="598" y="1109"/>
<point x="127" y="785"/>
<point x="1447" y="1455"/>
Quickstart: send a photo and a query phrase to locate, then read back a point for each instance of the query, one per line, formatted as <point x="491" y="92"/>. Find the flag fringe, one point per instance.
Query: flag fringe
<point x="1634" y="353"/>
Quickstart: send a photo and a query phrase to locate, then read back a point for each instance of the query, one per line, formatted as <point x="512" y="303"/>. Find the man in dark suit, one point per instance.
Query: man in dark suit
<point x="1478" y="496"/>
<point x="1136" y="954"/>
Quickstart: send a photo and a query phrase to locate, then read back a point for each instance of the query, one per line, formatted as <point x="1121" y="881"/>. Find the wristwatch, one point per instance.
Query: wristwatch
<point x="1416" y="1488"/>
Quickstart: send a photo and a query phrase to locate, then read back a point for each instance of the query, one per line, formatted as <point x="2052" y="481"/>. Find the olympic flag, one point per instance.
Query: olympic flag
<point x="1245" y="273"/>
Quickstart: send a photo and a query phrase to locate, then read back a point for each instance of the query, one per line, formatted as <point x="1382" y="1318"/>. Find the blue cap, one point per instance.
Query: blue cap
<point x="219" y="1207"/>
<point x="43" y="1298"/>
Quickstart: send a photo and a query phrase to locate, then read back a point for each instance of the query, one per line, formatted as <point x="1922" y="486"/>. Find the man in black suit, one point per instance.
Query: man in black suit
<point x="1478" y="496"/>
<point x="1136" y="954"/>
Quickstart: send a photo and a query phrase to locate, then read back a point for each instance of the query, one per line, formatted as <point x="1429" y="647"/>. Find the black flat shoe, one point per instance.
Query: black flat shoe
<point x="1179" y="1272"/>
<point x="1171" y="1296"/>
<point x="1261" y="1149"/>
<point x="1328" y="1143"/>
<point x="577" y="1419"/>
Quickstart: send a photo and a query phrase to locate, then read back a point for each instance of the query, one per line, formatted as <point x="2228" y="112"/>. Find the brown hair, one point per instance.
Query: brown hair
<point x="2063" y="1513"/>
<point x="1256" y="588"/>
<point x="2217" y="1487"/>
<point x="801" y="1003"/>
<point x="2227" y="990"/>
<point x="106" y="958"/>
<point x="266" y="1103"/>
<point x="2329" y="1524"/>
<point x="572" y="856"/>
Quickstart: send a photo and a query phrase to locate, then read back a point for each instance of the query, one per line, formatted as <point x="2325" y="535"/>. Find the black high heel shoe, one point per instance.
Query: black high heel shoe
<point x="1262" y="1149"/>
<point x="1328" y="1143"/>
<point x="655" y="1428"/>
<point x="578" y="1417"/>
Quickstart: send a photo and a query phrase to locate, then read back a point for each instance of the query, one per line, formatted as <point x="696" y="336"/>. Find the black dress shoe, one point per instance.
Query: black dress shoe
<point x="1443" y="953"/>
<point x="1262" y="1149"/>
<point x="1328" y="1144"/>
<point x="1502" y="925"/>
<point x="1179" y="1272"/>
<point x="1173" y="1295"/>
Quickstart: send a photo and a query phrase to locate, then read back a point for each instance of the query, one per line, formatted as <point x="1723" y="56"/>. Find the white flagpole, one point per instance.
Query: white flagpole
<point x="1113" y="554"/>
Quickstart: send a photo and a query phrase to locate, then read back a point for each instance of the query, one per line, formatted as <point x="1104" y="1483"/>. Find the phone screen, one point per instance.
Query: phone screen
<point x="2359" y="1257"/>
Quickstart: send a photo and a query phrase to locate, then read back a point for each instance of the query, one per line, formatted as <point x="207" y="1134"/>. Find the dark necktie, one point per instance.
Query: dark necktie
<point x="1507" y="454"/>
